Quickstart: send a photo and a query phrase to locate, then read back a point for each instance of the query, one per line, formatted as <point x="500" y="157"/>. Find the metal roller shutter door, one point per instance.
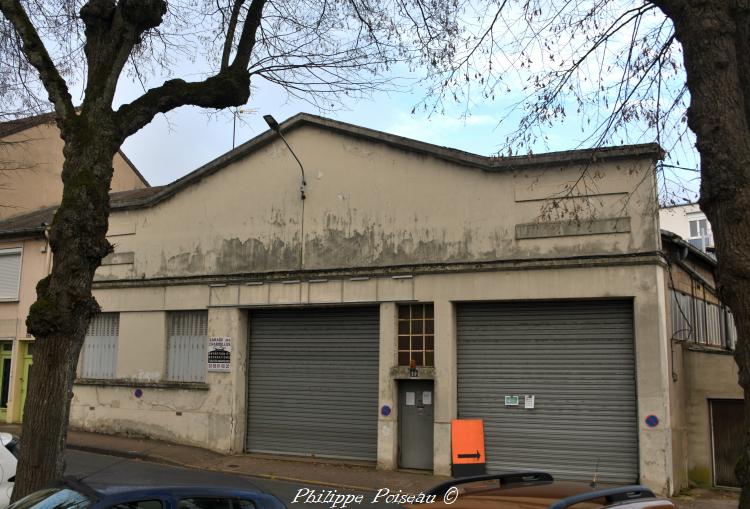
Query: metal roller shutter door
<point x="577" y="358"/>
<point x="313" y="382"/>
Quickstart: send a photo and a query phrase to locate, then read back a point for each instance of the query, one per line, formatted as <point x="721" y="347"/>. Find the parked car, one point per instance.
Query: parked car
<point x="537" y="490"/>
<point x="8" y="461"/>
<point x="76" y="494"/>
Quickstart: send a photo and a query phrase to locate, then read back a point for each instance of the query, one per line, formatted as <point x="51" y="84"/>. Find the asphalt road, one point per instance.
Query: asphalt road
<point x="99" y="468"/>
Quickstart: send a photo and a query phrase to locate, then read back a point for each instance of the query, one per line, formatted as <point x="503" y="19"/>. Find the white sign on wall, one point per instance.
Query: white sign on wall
<point x="219" y="354"/>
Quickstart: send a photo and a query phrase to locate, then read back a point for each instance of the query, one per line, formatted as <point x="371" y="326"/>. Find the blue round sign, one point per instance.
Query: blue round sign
<point x="652" y="421"/>
<point x="385" y="411"/>
<point x="138" y="393"/>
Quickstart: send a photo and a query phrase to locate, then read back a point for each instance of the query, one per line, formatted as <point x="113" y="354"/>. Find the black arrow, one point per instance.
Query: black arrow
<point x="476" y="455"/>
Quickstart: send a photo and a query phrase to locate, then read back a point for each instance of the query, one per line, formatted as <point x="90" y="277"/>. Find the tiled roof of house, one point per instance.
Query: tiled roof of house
<point x="35" y="222"/>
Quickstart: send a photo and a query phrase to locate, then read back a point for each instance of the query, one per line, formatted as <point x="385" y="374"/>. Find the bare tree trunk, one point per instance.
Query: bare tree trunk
<point x="64" y="306"/>
<point x="714" y="36"/>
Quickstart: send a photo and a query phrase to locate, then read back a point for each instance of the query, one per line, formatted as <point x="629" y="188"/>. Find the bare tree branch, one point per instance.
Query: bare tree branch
<point x="38" y="56"/>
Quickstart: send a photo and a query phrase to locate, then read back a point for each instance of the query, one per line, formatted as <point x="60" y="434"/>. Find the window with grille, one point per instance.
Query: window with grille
<point x="100" y="347"/>
<point x="10" y="273"/>
<point x="186" y="346"/>
<point x="702" y="322"/>
<point x="416" y="335"/>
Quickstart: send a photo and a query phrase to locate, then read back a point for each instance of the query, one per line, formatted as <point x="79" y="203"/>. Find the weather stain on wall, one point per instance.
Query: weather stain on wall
<point x="234" y="256"/>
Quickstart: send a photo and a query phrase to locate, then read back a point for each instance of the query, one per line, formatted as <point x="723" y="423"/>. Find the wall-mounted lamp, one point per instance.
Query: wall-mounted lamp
<point x="275" y="127"/>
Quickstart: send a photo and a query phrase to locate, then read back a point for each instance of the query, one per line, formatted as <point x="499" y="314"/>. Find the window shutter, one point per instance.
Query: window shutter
<point x="10" y="272"/>
<point x="100" y="347"/>
<point x="187" y="345"/>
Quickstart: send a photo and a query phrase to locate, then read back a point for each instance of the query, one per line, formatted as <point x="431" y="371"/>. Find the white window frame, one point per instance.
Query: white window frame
<point x="704" y="239"/>
<point x="11" y="251"/>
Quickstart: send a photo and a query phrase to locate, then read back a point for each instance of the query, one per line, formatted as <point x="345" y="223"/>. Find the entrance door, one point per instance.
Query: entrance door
<point x="726" y="426"/>
<point x="28" y="361"/>
<point x="416" y="416"/>
<point x="6" y="350"/>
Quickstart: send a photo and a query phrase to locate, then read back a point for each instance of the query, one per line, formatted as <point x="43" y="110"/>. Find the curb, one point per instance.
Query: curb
<point x="166" y="461"/>
<point x="127" y="454"/>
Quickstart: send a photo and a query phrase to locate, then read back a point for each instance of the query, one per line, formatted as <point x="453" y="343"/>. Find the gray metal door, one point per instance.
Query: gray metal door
<point x="416" y="417"/>
<point x="726" y="430"/>
<point x="313" y="382"/>
<point x="577" y="359"/>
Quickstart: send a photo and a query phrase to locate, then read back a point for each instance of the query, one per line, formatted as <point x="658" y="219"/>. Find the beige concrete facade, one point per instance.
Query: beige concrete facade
<point x="385" y="221"/>
<point x="208" y="415"/>
<point x="709" y="376"/>
<point x="31" y="162"/>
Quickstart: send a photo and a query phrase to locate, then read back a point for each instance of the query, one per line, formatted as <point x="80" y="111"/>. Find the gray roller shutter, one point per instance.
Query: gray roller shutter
<point x="313" y="382"/>
<point x="187" y="338"/>
<point x="577" y="359"/>
<point x="99" y="350"/>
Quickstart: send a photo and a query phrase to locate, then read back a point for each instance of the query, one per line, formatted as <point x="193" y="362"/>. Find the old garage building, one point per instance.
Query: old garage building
<point x="413" y="285"/>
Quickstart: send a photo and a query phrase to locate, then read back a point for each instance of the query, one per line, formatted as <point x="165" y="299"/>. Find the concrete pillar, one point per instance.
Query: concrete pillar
<point x="446" y="390"/>
<point x="388" y="389"/>
<point x="653" y="379"/>
<point x="231" y="323"/>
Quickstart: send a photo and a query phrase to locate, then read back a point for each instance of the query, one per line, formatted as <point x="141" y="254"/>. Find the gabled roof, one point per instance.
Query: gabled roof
<point x="154" y="195"/>
<point x="11" y="127"/>
<point x="466" y="159"/>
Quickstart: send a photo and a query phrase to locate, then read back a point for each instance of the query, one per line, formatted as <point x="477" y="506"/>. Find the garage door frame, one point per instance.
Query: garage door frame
<point x="349" y="375"/>
<point x="523" y="358"/>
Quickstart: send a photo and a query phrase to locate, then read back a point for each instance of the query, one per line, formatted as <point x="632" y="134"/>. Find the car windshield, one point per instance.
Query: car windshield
<point x="53" y="498"/>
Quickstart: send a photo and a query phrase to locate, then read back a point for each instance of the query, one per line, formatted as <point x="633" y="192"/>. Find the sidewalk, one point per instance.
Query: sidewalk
<point x="702" y="498"/>
<point x="350" y="476"/>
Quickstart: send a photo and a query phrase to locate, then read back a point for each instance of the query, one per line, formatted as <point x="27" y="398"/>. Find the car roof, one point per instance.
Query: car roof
<point x="107" y="490"/>
<point x="535" y="490"/>
<point x="485" y="495"/>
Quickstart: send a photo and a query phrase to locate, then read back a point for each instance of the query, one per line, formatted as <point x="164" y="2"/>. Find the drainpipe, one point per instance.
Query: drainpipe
<point x="48" y="251"/>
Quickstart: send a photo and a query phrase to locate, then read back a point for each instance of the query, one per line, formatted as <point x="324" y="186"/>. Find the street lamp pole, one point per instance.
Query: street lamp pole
<point x="277" y="129"/>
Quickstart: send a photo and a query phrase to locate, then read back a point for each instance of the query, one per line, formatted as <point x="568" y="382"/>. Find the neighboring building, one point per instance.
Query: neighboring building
<point x="690" y="223"/>
<point x="31" y="160"/>
<point x="414" y="285"/>
<point x="30" y="166"/>
<point x="707" y="401"/>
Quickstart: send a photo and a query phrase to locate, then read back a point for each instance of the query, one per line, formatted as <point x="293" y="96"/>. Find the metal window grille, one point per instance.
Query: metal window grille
<point x="701" y="322"/>
<point x="10" y="272"/>
<point x="186" y="346"/>
<point x="100" y="347"/>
